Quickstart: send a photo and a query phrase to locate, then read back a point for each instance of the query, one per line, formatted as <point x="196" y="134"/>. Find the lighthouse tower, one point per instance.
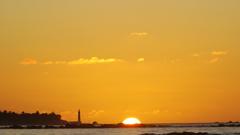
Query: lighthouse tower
<point x="79" y="117"/>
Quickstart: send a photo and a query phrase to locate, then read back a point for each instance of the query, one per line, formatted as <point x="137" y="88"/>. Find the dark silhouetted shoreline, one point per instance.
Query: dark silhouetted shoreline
<point x="38" y="120"/>
<point x="30" y="119"/>
<point x="182" y="133"/>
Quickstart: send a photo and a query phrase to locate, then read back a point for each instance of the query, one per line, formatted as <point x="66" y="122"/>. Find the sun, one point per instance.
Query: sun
<point x="131" y="121"/>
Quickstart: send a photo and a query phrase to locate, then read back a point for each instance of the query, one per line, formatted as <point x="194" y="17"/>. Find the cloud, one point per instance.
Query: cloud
<point x="80" y="61"/>
<point x="95" y="113"/>
<point x="139" y="34"/>
<point x="29" y="61"/>
<point x="214" y="60"/>
<point x="217" y="56"/>
<point x="219" y="53"/>
<point x="140" y="60"/>
<point x="196" y="55"/>
<point x="48" y="63"/>
<point x="156" y="112"/>
<point x="93" y="60"/>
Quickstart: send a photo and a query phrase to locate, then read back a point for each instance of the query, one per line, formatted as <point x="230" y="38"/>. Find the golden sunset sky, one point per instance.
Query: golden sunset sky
<point x="157" y="60"/>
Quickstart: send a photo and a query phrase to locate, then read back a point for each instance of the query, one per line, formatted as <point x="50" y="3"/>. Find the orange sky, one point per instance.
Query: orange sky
<point x="157" y="60"/>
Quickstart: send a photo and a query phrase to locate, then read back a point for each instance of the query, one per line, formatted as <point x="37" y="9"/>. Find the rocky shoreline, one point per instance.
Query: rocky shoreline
<point x="185" y="133"/>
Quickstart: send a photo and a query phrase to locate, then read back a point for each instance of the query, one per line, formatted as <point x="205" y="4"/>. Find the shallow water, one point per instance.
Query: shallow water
<point x="118" y="131"/>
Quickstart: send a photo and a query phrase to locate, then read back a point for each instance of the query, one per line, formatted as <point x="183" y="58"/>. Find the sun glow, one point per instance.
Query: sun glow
<point x="131" y="121"/>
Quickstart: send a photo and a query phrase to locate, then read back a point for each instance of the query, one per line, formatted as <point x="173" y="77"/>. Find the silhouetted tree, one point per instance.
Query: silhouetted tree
<point x="12" y="118"/>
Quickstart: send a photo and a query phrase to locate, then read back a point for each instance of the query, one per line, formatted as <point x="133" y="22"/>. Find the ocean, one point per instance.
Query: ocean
<point x="121" y="131"/>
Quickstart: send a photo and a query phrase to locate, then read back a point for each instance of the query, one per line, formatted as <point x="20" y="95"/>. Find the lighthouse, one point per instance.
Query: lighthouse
<point x="79" y="117"/>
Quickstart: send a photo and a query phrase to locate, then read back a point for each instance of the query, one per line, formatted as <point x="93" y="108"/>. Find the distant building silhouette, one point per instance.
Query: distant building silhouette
<point x="79" y="117"/>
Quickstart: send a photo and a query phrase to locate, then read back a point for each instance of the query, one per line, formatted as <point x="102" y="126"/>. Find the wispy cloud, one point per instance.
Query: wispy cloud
<point x="95" y="113"/>
<point x="80" y="61"/>
<point x="214" y="60"/>
<point x="138" y="34"/>
<point x="211" y="57"/>
<point x="219" y="53"/>
<point x="217" y="56"/>
<point x="196" y="55"/>
<point x="29" y="61"/>
<point x="156" y="112"/>
<point x="48" y="62"/>
<point x="93" y="60"/>
<point x="140" y="60"/>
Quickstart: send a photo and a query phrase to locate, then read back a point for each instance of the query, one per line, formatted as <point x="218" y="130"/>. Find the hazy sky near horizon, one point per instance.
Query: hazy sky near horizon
<point x="158" y="60"/>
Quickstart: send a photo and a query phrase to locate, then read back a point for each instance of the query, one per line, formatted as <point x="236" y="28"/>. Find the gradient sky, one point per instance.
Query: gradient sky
<point x="157" y="60"/>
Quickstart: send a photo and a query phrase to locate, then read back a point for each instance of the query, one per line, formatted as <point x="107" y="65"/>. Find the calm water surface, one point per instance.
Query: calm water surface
<point x="117" y="131"/>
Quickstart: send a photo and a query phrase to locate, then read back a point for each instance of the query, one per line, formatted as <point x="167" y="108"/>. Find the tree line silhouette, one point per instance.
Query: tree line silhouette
<point x="13" y="118"/>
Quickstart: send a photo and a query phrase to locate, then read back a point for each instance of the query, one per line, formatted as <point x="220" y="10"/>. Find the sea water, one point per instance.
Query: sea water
<point x="120" y="131"/>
